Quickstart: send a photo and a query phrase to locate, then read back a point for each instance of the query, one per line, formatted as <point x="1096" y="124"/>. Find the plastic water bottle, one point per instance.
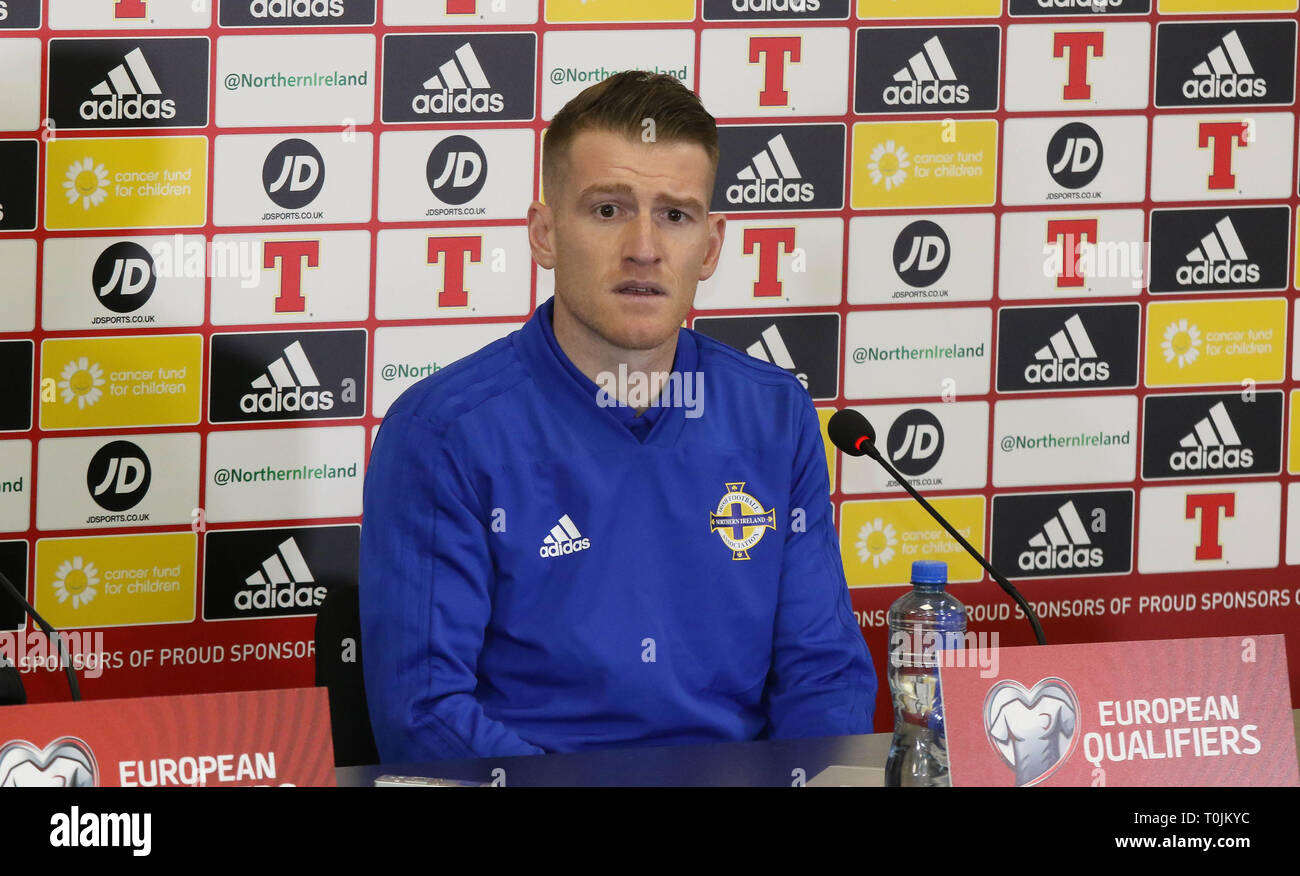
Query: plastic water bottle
<point x="920" y="623"/>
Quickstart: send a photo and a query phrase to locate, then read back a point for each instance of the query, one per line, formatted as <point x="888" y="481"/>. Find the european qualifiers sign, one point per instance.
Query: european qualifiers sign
<point x="154" y="82"/>
<point x="262" y="376"/>
<point x="1074" y="347"/>
<point x="1212" y="435"/>
<point x="260" y="573"/>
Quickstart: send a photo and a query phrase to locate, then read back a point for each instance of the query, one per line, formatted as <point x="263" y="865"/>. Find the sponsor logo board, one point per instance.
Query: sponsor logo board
<point x="1231" y="249"/>
<point x="480" y="77"/>
<point x="1211" y="435"/>
<point x="292" y="179"/>
<point x="406" y="354"/>
<point x="125" y="182"/>
<point x="575" y="59"/>
<point x="15" y="489"/>
<point x="18" y="185"/>
<point x="472" y="12"/>
<point x="294" y="81"/>
<point x="18" y="267"/>
<point x="295" y="13"/>
<point x="1222" y="157"/>
<point x="94" y="383"/>
<point x="880" y="539"/>
<point x="1091" y="346"/>
<point x="20" y="14"/>
<point x="444" y="176"/>
<point x="1209" y="527"/>
<point x="806" y="345"/>
<point x="930" y="9"/>
<point x="128" y="15"/>
<point x="777" y="263"/>
<point x="774" y="10"/>
<point x="1089" y="8"/>
<point x="1071" y="161"/>
<point x="918" y="353"/>
<point x="779" y="167"/>
<point x="1226" y="341"/>
<point x="453" y="272"/>
<point x="924" y="164"/>
<point x="934" y="446"/>
<point x="1225" y="63"/>
<point x="20" y="64"/>
<point x="260" y="376"/>
<point x="935" y="259"/>
<point x="13" y="562"/>
<point x="1042" y="535"/>
<point x="260" y="573"/>
<point x="1082" y="440"/>
<point x="745" y="73"/>
<point x="1058" y="254"/>
<point x="1077" y="66"/>
<point x="155" y="82"/>
<point x="920" y="69"/>
<point x="316" y="277"/>
<point x="16" y="389"/>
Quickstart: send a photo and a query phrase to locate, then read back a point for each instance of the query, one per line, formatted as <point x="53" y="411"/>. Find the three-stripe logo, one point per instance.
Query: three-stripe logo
<point x="283" y="581"/>
<point x="1225" y="72"/>
<point x="1213" y="443"/>
<point x="770" y="177"/>
<point x="1220" y="258"/>
<point x="129" y="91"/>
<point x="281" y="388"/>
<point x="564" y="538"/>
<point x="927" y="78"/>
<point x="1063" y="543"/>
<point x="459" y="86"/>
<point x="1067" y="357"/>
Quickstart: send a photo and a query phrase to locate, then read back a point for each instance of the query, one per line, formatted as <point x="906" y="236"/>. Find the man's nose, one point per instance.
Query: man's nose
<point x="641" y="243"/>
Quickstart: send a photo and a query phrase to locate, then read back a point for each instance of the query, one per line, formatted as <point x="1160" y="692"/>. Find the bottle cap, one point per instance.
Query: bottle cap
<point x="929" y="572"/>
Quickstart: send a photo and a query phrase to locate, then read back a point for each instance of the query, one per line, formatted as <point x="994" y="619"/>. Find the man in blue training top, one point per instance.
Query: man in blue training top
<point x="606" y="530"/>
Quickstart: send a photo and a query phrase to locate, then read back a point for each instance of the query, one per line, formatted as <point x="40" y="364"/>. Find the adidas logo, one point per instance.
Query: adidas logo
<point x="564" y="539"/>
<point x="128" y="93"/>
<point x="1063" y="544"/>
<point x="1219" y="260"/>
<point x="1225" y="72"/>
<point x="1066" y="358"/>
<point x="459" y="86"/>
<point x="770" y="347"/>
<point x="770" y="178"/>
<point x="1212" y="444"/>
<point x="285" y="584"/>
<point x="281" y="388"/>
<point x="928" y="79"/>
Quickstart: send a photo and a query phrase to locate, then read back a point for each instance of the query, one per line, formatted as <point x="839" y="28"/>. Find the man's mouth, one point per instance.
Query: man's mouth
<point x="634" y="287"/>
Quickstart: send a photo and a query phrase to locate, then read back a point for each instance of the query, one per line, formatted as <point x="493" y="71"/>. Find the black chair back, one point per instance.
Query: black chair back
<point x="338" y="668"/>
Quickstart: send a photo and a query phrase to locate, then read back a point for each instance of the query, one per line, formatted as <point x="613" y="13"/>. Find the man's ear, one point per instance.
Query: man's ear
<point x="717" y="230"/>
<point x="541" y="234"/>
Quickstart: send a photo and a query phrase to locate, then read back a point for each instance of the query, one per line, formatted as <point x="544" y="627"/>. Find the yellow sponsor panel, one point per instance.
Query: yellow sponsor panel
<point x="1293" y="440"/>
<point x="931" y="8"/>
<point x="947" y="163"/>
<point x="1176" y="6"/>
<point x="620" y="10"/>
<point x="117" y="580"/>
<point x="92" y="383"/>
<point x="880" y="539"/>
<point x="824" y="415"/>
<point x="1195" y="343"/>
<point x="126" y="182"/>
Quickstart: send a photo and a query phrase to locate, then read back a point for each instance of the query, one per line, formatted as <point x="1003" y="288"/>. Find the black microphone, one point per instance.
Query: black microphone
<point x="851" y="433"/>
<point x="49" y="631"/>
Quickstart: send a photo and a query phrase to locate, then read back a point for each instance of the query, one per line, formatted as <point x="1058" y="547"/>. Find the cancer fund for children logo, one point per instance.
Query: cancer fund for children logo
<point x="128" y="182"/>
<point x="1216" y="342"/>
<point x="945" y="163"/>
<point x="880" y="539"/>
<point x="91" y="383"/>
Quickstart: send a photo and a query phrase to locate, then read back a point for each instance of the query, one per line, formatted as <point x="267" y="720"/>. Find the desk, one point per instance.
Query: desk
<point x="766" y="762"/>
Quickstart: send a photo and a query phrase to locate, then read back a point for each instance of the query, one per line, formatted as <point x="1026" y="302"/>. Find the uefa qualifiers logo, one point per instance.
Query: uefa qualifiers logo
<point x="67" y="762"/>
<point x="1034" y="731"/>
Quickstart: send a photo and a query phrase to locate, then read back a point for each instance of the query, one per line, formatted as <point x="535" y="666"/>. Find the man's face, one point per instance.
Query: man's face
<point x="629" y="235"/>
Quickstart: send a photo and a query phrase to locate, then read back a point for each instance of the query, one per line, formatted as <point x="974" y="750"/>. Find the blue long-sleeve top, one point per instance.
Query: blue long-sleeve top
<point x="543" y="573"/>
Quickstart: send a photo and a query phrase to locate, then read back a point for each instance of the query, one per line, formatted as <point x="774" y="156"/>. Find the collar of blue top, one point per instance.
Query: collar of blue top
<point x="539" y="344"/>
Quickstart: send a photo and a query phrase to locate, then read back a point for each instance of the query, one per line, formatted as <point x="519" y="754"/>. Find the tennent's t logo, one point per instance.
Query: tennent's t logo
<point x="769" y="242"/>
<point x="1222" y="137"/>
<point x="130" y="9"/>
<point x="453" y="292"/>
<point x="771" y="52"/>
<point x="1076" y="47"/>
<point x="1209" y="505"/>
<point x="289" y="257"/>
<point x="1071" y="232"/>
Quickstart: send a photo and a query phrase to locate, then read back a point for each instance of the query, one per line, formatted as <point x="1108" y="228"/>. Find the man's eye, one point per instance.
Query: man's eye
<point x="676" y="216"/>
<point x="606" y="211"/>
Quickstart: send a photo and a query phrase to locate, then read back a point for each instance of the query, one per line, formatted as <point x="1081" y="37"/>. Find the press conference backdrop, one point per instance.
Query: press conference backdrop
<point x="1046" y="245"/>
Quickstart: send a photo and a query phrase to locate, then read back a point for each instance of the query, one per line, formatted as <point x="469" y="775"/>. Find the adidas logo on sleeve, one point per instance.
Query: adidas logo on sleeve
<point x="564" y="538"/>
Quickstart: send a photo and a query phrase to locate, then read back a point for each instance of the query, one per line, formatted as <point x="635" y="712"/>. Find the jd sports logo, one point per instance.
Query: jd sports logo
<point x="1046" y="348"/>
<point x="118" y="476"/>
<point x="921" y="253"/>
<point x="16" y="387"/>
<point x="563" y="539"/>
<point x="283" y="13"/>
<point x="915" y="442"/>
<point x="1222" y="250"/>
<point x="124" y="277"/>
<point x="906" y="69"/>
<point x="459" y="77"/>
<point x="287" y="376"/>
<point x="1056" y="534"/>
<point x="1188" y="436"/>
<point x="806" y="345"/>
<point x="1074" y="155"/>
<point x="255" y="573"/>
<point x="780" y="167"/>
<point x="129" y="83"/>
<point x="1228" y="63"/>
<point x="457" y="170"/>
<point x="293" y="174"/>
